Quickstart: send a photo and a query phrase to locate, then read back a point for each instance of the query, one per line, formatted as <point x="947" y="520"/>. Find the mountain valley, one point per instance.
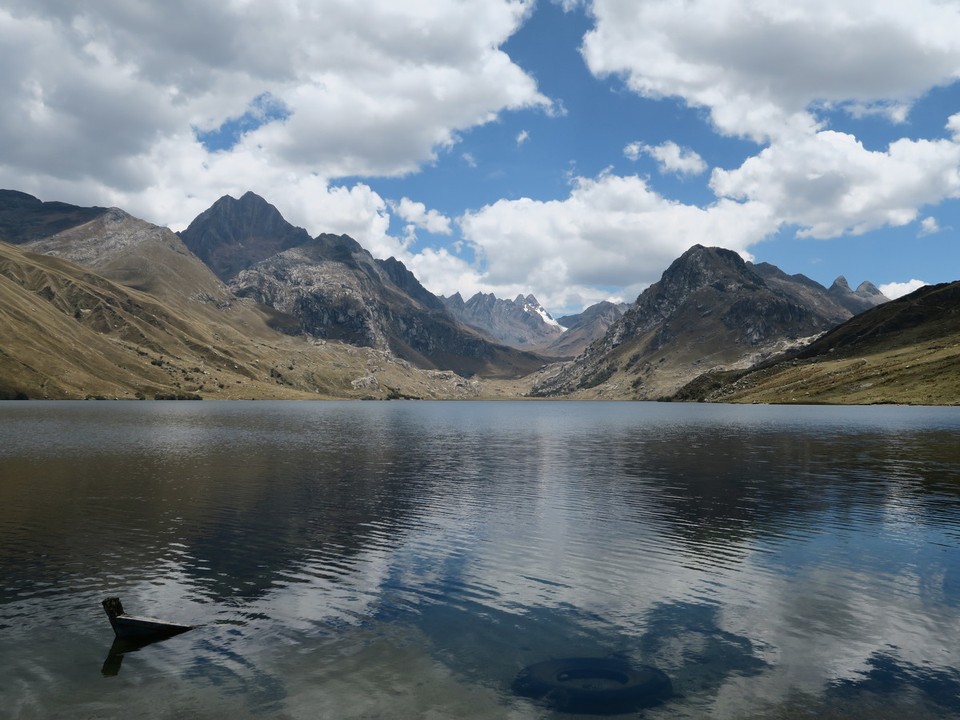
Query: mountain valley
<point x="97" y="303"/>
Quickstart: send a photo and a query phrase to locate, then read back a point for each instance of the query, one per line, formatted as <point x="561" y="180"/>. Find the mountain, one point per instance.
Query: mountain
<point x="95" y="302"/>
<point x="232" y="235"/>
<point x="71" y="333"/>
<point x="903" y="351"/>
<point x="866" y="296"/>
<point x="117" y="307"/>
<point x="139" y="255"/>
<point x="521" y="323"/>
<point x="709" y="310"/>
<point x="337" y="290"/>
<point x="332" y="288"/>
<point x="24" y="217"/>
<point x="584" y="328"/>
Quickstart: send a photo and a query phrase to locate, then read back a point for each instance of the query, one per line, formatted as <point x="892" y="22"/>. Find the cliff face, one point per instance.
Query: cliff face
<point x="710" y="309"/>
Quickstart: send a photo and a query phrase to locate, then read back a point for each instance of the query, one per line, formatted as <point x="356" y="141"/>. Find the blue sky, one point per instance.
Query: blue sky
<point x="568" y="148"/>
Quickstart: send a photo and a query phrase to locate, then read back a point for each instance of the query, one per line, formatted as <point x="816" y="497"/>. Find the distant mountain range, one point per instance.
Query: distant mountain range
<point x="94" y="302"/>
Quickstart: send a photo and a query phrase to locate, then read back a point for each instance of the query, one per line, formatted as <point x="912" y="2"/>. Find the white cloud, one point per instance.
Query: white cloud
<point x="895" y="112"/>
<point x="670" y="157"/>
<point x="522" y="137"/>
<point x="610" y="230"/>
<point x="416" y="214"/>
<point x="830" y="185"/>
<point x="929" y="226"/>
<point x="894" y="290"/>
<point x="759" y="66"/>
<point x="766" y="69"/>
<point x="94" y="92"/>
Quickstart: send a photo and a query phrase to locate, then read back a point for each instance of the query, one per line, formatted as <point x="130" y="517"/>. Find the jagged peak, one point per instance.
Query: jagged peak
<point x="701" y="266"/>
<point x="251" y="196"/>
<point x="868" y="290"/>
<point x="840" y="285"/>
<point x="343" y="243"/>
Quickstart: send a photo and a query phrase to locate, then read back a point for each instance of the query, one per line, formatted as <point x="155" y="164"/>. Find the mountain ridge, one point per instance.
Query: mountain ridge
<point x="904" y="351"/>
<point x="522" y="323"/>
<point x="710" y="314"/>
<point x="709" y="309"/>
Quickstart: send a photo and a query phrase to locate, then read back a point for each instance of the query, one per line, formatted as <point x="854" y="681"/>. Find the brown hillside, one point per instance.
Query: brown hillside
<point x="905" y="351"/>
<point x="66" y="332"/>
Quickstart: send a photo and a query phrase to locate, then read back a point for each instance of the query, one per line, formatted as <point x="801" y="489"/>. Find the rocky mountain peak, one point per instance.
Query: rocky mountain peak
<point x="520" y="323"/>
<point x="341" y="248"/>
<point x="698" y="268"/>
<point x="232" y="235"/>
<point x="840" y="285"/>
<point x="866" y="296"/>
<point x="868" y="290"/>
<point x="709" y="309"/>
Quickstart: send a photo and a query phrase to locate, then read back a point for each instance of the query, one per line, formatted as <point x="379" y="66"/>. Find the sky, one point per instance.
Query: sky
<point x="567" y="148"/>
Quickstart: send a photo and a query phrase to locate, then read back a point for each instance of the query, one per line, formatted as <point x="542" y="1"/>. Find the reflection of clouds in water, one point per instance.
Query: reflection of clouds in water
<point x="812" y="623"/>
<point x="479" y="572"/>
<point x="426" y="544"/>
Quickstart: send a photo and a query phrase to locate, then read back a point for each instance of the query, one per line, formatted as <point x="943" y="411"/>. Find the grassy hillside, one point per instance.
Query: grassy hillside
<point x="905" y="351"/>
<point x="69" y="333"/>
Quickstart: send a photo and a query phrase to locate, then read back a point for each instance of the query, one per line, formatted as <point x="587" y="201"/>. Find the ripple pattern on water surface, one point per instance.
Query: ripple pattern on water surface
<point x="755" y="555"/>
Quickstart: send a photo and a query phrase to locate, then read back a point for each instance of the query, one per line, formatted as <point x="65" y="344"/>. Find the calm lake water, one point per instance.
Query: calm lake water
<point x="408" y="559"/>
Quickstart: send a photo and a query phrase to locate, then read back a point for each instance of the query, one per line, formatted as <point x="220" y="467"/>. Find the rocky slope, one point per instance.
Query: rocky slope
<point x="330" y="287"/>
<point x="336" y="290"/>
<point x="69" y="333"/>
<point x="521" y="323"/>
<point x="584" y="328"/>
<point x="709" y="310"/>
<point x="139" y="255"/>
<point x="904" y="351"/>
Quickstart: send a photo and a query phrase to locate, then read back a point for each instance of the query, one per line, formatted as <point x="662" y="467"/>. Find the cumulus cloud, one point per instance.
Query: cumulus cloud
<point x="829" y="184"/>
<point x="670" y="157"/>
<point x="92" y="92"/>
<point x="929" y="226"/>
<point x="894" y="290"/>
<point x="522" y="137"/>
<point x="416" y="213"/>
<point x="759" y="66"/>
<point x="765" y="69"/>
<point x="610" y="230"/>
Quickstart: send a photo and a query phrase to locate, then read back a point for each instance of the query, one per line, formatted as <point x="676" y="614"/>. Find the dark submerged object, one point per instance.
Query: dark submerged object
<point x="131" y="627"/>
<point x="596" y="686"/>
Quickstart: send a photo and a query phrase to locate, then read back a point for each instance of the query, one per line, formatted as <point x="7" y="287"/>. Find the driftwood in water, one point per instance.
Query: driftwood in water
<point x="133" y="627"/>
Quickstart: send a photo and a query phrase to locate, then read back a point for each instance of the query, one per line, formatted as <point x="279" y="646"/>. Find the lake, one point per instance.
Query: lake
<point x="409" y="559"/>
